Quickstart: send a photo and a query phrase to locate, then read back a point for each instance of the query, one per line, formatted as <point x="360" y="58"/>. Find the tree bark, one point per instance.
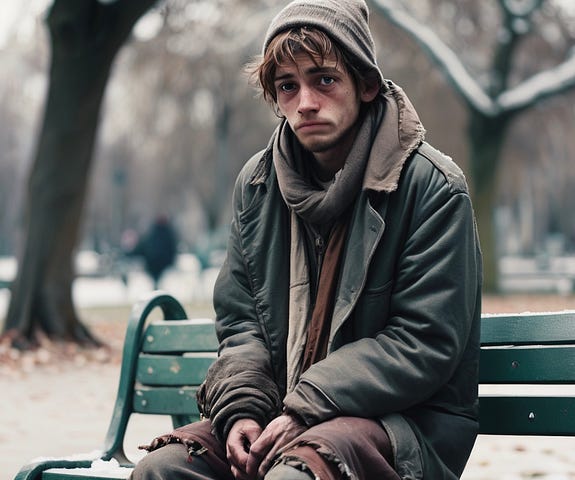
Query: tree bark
<point x="85" y="37"/>
<point x="486" y="138"/>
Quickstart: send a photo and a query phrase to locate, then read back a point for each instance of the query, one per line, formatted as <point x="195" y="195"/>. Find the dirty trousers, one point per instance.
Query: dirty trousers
<point x="340" y="448"/>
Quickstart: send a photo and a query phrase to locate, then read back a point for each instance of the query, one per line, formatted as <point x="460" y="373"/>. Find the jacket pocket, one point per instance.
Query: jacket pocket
<point x="372" y="310"/>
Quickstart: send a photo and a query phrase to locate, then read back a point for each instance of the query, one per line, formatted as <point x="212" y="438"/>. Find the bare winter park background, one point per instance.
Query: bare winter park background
<point x="119" y="114"/>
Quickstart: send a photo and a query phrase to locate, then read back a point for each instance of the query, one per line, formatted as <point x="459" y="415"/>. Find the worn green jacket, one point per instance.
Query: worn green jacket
<point x="404" y="342"/>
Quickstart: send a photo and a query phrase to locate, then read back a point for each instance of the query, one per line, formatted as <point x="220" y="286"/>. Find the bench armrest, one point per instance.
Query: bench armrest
<point x="33" y="471"/>
<point x="172" y="310"/>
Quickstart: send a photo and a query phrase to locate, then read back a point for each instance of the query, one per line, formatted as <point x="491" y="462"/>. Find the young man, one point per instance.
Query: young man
<point x="348" y="307"/>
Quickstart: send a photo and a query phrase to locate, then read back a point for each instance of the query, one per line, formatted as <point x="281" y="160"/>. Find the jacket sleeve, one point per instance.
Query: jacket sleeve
<point x="240" y="383"/>
<point x="432" y="310"/>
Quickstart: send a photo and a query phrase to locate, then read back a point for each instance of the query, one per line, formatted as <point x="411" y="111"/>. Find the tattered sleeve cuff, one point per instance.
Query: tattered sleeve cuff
<point x="310" y="404"/>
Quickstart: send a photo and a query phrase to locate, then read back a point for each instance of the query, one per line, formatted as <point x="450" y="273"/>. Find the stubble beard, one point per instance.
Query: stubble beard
<point x="322" y="146"/>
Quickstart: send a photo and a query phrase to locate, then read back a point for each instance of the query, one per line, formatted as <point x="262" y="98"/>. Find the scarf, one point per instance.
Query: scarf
<point x="312" y="203"/>
<point x="317" y="206"/>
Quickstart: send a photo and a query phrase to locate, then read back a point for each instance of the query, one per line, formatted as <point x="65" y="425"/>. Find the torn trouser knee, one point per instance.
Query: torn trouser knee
<point x="284" y="471"/>
<point x="349" y="448"/>
<point x="315" y="461"/>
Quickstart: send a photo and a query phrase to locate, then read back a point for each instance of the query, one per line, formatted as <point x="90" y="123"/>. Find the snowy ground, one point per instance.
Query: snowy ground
<point x="186" y="281"/>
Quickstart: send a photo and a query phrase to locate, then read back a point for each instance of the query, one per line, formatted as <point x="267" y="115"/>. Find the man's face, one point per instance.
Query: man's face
<point x="321" y="104"/>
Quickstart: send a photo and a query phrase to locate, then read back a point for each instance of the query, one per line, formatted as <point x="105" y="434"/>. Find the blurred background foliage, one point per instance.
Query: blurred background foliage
<point x="179" y="119"/>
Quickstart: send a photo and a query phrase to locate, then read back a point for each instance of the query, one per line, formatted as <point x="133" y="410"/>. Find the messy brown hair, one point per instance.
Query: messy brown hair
<point x="285" y="46"/>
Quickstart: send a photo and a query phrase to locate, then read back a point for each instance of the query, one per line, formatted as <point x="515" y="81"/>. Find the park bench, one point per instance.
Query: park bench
<point x="165" y="360"/>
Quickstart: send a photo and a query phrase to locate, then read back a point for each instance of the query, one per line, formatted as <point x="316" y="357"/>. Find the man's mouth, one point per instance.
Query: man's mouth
<point x="310" y="125"/>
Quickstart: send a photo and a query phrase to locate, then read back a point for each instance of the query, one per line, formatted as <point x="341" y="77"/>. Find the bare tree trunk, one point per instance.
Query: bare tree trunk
<point x="85" y="37"/>
<point x="486" y="137"/>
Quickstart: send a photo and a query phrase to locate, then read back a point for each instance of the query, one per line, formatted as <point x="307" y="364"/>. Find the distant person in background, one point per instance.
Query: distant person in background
<point x="157" y="248"/>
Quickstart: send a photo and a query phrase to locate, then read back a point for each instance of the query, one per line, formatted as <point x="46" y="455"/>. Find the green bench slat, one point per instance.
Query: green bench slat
<point x="180" y="336"/>
<point x="527" y="415"/>
<point x="528" y="329"/>
<point x="527" y="365"/>
<point x="166" y="401"/>
<point x="189" y="369"/>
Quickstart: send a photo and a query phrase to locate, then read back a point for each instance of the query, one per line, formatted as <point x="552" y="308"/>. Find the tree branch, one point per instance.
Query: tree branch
<point x="517" y="24"/>
<point x="74" y="23"/>
<point x="526" y="94"/>
<point x="441" y="55"/>
<point x="539" y="87"/>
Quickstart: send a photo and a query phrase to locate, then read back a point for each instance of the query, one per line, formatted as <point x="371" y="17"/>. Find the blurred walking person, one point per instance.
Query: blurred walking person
<point x="157" y="248"/>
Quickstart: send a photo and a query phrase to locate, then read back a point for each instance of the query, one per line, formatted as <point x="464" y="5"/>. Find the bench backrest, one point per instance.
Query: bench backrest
<point x="172" y="364"/>
<point x="166" y="359"/>
<point x="534" y="355"/>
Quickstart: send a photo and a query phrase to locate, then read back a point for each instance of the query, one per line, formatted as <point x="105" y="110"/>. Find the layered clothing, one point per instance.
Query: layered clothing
<point x="403" y="340"/>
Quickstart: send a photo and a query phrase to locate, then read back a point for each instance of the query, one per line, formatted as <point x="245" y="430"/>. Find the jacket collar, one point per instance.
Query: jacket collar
<point x="399" y="135"/>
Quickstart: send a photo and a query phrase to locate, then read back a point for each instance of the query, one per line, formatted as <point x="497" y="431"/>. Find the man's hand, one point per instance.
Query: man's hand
<point x="276" y="435"/>
<point x="243" y="434"/>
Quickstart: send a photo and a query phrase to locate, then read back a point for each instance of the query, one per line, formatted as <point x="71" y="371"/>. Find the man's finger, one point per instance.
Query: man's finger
<point x="254" y="460"/>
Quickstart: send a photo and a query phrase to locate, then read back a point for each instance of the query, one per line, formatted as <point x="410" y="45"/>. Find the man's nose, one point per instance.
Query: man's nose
<point x="308" y="100"/>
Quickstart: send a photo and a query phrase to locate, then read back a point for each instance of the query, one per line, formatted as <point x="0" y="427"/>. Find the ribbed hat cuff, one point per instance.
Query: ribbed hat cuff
<point x="351" y="32"/>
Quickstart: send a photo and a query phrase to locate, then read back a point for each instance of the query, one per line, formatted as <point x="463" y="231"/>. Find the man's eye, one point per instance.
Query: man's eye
<point x="325" y="80"/>
<point x="287" y="87"/>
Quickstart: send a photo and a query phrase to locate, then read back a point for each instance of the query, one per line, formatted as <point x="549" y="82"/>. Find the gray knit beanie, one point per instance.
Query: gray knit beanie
<point x="345" y="21"/>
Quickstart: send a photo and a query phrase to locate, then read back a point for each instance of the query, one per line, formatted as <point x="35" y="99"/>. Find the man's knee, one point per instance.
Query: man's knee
<point x="163" y="463"/>
<point x="287" y="472"/>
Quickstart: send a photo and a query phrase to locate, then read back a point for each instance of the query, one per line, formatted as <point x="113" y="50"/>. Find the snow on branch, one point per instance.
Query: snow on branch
<point x="538" y="87"/>
<point x="520" y="97"/>
<point x="441" y="54"/>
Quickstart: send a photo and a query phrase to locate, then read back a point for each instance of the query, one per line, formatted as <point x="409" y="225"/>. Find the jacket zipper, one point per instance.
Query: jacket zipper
<point x="319" y="252"/>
